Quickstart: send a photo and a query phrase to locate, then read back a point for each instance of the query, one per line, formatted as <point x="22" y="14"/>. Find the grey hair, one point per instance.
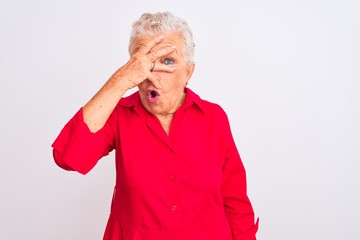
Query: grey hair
<point x="163" y="22"/>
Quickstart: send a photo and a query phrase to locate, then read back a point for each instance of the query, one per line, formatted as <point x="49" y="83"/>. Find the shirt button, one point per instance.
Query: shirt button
<point x="173" y="177"/>
<point x="174" y="208"/>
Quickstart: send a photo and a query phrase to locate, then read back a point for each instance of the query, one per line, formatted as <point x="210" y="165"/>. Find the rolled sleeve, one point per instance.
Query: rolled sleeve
<point x="77" y="148"/>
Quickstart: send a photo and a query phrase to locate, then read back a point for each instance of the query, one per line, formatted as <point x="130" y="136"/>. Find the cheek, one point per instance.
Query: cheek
<point x="171" y="83"/>
<point x="174" y="79"/>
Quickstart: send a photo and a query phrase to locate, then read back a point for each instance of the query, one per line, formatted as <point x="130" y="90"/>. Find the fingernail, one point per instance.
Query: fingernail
<point x="173" y="46"/>
<point x="173" y="68"/>
<point x="160" y="37"/>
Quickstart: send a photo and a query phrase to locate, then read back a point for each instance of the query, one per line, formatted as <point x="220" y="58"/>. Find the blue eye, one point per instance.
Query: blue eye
<point x="168" y="61"/>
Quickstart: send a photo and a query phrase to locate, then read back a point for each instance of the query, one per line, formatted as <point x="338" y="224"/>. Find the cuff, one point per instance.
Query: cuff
<point x="250" y="234"/>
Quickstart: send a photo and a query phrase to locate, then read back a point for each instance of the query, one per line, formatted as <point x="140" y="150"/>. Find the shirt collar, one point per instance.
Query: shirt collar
<point x="190" y="99"/>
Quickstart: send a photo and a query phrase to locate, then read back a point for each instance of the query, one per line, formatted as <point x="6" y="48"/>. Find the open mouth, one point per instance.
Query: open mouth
<point x="152" y="96"/>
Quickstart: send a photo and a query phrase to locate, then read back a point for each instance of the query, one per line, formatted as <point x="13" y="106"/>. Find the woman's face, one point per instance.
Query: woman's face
<point x="171" y="95"/>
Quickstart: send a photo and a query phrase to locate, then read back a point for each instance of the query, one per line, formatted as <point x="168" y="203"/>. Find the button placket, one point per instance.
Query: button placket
<point x="174" y="192"/>
<point x="174" y="186"/>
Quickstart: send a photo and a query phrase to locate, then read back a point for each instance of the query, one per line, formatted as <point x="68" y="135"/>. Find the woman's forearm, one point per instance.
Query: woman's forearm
<point x="98" y="109"/>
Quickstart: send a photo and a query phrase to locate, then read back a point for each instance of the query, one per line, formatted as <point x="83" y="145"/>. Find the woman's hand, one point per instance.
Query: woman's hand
<point x="135" y="71"/>
<point x="139" y="67"/>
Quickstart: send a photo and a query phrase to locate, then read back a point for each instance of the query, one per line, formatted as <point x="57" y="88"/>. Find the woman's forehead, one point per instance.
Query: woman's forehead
<point x="169" y="40"/>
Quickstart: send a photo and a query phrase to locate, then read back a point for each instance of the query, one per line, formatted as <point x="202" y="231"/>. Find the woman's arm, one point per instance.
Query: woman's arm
<point x="90" y="134"/>
<point x="237" y="205"/>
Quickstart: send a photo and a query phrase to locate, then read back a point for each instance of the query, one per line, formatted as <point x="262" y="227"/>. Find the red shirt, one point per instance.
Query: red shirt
<point x="188" y="185"/>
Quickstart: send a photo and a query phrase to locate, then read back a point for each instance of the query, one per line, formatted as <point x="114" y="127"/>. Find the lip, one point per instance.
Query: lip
<point x="152" y="95"/>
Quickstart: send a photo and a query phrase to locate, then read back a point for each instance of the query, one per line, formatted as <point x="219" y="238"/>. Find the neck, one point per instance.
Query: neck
<point x="165" y="120"/>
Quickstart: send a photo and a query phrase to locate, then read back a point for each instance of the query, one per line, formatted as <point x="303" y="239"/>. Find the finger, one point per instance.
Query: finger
<point x="150" y="44"/>
<point x="154" y="55"/>
<point x="154" y="80"/>
<point x="159" y="67"/>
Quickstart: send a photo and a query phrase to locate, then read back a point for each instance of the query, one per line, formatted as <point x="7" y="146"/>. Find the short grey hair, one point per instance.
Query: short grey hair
<point x="151" y="24"/>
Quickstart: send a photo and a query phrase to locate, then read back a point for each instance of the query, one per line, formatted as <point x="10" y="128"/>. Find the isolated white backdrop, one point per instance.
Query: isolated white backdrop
<point x="286" y="72"/>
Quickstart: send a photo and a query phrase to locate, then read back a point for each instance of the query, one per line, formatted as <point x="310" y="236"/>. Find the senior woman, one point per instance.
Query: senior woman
<point x="178" y="172"/>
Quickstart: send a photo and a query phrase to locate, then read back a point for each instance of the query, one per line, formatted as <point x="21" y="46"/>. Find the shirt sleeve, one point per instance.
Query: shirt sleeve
<point x="238" y="208"/>
<point x="78" y="149"/>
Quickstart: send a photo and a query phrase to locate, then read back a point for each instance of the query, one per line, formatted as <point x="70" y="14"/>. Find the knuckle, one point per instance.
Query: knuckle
<point x="153" y="54"/>
<point x="135" y="56"/>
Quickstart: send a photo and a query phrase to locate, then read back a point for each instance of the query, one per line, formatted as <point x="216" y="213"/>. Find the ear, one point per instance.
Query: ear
<point x="190" y="70"/>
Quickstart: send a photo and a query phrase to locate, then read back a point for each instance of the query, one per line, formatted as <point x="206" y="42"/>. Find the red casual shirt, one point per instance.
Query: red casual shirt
<point x="187" y="185"/>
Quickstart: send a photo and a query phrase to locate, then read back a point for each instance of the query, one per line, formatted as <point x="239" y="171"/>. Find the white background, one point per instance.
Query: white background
<point x="286" y="72"/>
